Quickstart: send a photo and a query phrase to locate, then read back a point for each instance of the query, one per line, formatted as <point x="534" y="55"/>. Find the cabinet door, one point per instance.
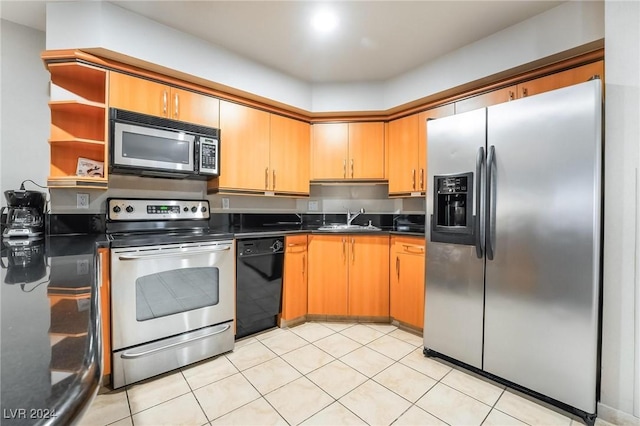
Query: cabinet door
<point x="329" y="151"/>
<point x="289" y="155"/>
<point x="244" y="153"/>
<point x="407" y="293"/>
<point x="138" y="95"/>
<point x="403" y="152"/>
<point x="194" y="107"/>
<point x="494" y="97"/>
<point x="369" y="275"/>
<point x="327" y="280"/>
<point x="294" y="294"/>
<point x="561" y="79"/>
<point x="433" y="113"/>
<point x="366" y="151"/>
<point x="105" y="309"/>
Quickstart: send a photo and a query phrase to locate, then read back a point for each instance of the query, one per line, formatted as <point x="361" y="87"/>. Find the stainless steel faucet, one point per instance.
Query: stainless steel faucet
<point x="350" y="217"/>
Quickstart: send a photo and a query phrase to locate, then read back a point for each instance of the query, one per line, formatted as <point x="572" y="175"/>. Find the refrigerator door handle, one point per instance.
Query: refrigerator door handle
<point x="479" y="222"/>
<point x="491" y="196"/>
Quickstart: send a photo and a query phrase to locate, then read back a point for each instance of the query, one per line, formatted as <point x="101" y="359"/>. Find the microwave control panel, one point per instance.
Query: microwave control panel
<point x="209" y="156"/>
<point x="123" y="209"/>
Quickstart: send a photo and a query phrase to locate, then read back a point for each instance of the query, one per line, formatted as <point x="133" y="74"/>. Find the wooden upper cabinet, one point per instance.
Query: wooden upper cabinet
<point x="348" y="151"/>
<point x="368" y="275"/>
<point x="244" y="159"/>
<point x="403" y="155"/>
<point x="329" y="151"/>
<point x="366" y="151"/>
<point x="289" y="155"/>
<point x="195" y="108"/>
<point x="149" y="97"/>
<point x="561" y="79"/>
<point x="494" y="97"/>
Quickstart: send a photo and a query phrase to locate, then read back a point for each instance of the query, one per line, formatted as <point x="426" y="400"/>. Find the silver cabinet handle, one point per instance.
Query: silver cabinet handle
<point x="304" y="262"/>
<point x="421" y="178"/>
<point x="164" y="103"/>
<point x="344" y="253"/>
<point x="344" y="168"/>
<point x="171" y="254"/>
<point x="133" y="354"/>
<point x="398" y="267"/>
<point x="353" y="250"/>
<point x="274" y="179"/>
<point x="409" y="247"/>
<point x="176" y="100"/>
<point x="525" y="92"/>
<point x="266" y="178"/>
<point x="413" y="178"/>
<point x="352" y="168"/>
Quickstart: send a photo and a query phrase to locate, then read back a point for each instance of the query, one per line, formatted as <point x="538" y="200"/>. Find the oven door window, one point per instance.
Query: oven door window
<point x="175" y="291"/>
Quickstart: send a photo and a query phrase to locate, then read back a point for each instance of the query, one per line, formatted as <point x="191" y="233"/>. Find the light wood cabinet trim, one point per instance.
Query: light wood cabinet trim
<point x="498" y="96"/>
<point x="206" y="87"/>
<point x="105" y="309"/>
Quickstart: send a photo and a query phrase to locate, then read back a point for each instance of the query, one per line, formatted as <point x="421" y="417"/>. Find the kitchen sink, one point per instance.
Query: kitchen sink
<point x="343" y="227"/>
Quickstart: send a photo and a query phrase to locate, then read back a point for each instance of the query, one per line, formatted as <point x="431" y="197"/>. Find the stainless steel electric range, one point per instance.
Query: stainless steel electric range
<point x="172" y="286"/>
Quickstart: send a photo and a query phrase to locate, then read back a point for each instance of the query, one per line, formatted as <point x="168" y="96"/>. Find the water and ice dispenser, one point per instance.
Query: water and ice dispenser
<point x="452" y="220"/>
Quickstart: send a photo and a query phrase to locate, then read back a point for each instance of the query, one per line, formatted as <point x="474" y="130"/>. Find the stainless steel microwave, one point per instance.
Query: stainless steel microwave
<point x="146" y="145"/>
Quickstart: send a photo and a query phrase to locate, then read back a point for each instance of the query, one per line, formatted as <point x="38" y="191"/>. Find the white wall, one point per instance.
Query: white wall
<point x="103" y="25"/>
<point x="24" y="114"/>
<point x="621" y="293"/>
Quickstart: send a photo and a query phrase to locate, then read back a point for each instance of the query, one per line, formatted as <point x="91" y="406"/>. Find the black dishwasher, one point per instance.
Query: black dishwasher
<point x="258" y="284"/>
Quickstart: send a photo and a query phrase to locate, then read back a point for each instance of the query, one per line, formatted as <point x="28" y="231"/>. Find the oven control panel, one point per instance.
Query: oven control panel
<point x="151" y="209"/>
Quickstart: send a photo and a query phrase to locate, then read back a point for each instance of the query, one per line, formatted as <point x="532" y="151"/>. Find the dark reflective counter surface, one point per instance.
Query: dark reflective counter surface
<point x="50" y="347"/>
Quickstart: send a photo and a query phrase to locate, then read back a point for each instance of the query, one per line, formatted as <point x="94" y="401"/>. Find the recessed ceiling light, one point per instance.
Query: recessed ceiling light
<point x="324" y="21"/>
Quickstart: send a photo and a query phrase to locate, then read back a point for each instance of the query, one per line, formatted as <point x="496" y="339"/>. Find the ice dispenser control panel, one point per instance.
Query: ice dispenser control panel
<point x="452" y="219"/>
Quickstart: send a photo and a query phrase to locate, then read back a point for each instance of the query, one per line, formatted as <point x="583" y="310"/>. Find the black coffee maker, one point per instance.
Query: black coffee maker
<point x="25" y="214"/>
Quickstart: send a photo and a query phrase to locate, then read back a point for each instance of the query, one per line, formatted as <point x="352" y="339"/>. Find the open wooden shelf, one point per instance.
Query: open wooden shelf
<point x="84" y="80"/>
<point x="73" y="141"/>
<point x="77" y="182"/>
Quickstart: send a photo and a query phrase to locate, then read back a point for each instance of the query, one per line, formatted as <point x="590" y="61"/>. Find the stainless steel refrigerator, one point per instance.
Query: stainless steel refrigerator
<point x="513" y="233"/>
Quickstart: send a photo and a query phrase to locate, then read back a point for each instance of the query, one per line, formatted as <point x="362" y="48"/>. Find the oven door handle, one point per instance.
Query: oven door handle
<point x="133" y="354"/>
<point x="170" y="254"/>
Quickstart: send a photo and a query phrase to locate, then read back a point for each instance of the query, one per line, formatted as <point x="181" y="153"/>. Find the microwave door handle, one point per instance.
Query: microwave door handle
<point x="171" y="254"/>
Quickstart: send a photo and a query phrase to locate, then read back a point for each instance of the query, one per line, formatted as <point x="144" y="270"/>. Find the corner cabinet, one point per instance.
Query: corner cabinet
<point x="78" y="123"/>
<point x="348" y="151"/>
<point x="262" y="152"/>
<point x="408" y="151"/>
<point x="294" y="293"/>
<point x="349" y="275"/>
<point x="161" y="100"/>
<point x="407" y="280"/>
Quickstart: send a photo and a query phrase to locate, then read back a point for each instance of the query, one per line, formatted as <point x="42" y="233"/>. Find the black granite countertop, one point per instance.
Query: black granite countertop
<point x="50" y="344"/>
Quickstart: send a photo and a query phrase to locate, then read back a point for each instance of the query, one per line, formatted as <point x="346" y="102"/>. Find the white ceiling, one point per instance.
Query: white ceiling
<point x="374" y="40"/>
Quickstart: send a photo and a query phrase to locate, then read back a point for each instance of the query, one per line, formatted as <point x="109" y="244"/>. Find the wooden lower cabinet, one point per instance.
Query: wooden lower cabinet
<point x="407" y="280"/>
<point x="294" y="291"/>
<point x="105" y="309"/>
<point x="348" y="275"/>
<point x="328" y="275"/>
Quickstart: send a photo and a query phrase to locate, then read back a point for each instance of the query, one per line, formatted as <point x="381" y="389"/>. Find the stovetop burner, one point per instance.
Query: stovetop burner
<point x="137" y="222"/>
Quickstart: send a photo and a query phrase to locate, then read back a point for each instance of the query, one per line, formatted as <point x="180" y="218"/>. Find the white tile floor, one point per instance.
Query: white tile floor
<point x="321" y="374"/>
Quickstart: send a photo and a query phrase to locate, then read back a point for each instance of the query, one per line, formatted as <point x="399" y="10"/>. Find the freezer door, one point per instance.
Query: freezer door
<point x="542" y="286"/>
<point x="454" y="286"/>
